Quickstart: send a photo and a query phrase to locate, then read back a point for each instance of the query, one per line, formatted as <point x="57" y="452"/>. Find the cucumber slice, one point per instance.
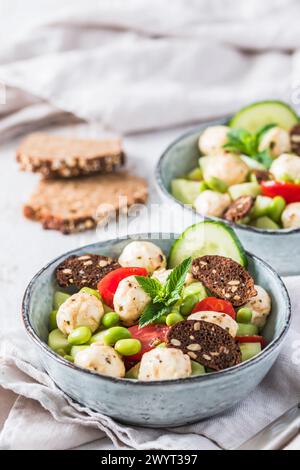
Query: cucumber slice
<point x="59" y="299"/>
<point x="265" y="223"/>
<point x="247" y="329"/>
<point x="257" y="115"/>
<point x="133" y="373"/>
<point x="244" y="189"/>
<point x="252" y="163"/>
<point x="261" y="206"/>
<point x="197" y="369"/>
<point x="207" y="238"/>
<point x="195" y="175"/>
<point x="249" y="350"/>
<point x="185" y="191"/>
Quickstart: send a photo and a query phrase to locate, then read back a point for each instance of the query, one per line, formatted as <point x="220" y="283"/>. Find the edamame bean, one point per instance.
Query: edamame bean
<point x="276" y="208"/>
<point x="188" y="304"/>
<point x="59" y="298"/>
<point x="114" y="334"/>
<point x="260" y="207"/>
<point x="128" y="347"/>
<point x="76" y="349"/>
<point x="161" y="320"/>
<point x="266" y="223"/>
<point x="286" y="178"/>
<point x="215" y="184"/>
<point x="90" y="291"/>
<point x="247" y="330"/>
<point x="58" y="341"/>
<point x="110" y="319"/>
<point x="195" y="175"/>
<point x="202" y="186"/>
<point x="173" y="318"/>
<point x="194" y="288"/>
<point x="52" y="320"/>
<point x="80" y="335"/>
<point x="244" y="315"/>
<point x="68" y="358"/>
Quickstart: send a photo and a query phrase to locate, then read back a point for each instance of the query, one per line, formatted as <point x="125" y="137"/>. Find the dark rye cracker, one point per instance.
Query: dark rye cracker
<point x="239" y="208"/>
<point x="225" y="278"/>
<point x="57" y="156"/>
<point x="74" y="205"/>
<point x="85" y="270"/>
<point x="295" y="139"/>
<point x="206" y="343"/>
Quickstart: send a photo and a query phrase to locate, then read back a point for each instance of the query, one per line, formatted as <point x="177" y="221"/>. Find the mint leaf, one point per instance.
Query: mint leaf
<point x="176" y="279"/>
<point x="264" y="158"/>
<point x="152" y="312"/>
<point x="150" y="285"/>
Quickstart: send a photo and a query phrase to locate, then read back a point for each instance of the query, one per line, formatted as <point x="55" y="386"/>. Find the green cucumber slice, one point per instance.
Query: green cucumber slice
<point x="197" y="369"/>
<point x="133" y="373"/>
<point x="249" y="350"/>
<point x="207" y="238"/>
<point x="59" y="299"/>
<point x="185" y="191"/>
<point x="247" y="329"/>
<point x="257" y="115"/>
<point x="195" y="175"/>
<point x="265" y="223"/>
<point x="252" y="163"/>
<point x="244" y="189"/>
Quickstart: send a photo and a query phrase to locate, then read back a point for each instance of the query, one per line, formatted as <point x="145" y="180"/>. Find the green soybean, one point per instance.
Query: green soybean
<point x="195" y="175"/>
<point x="188" y="304"/>
<point x="202" y="186"/>
<point x="90" y="291"/>
<point x="68" y="358"/>
<point x="114" y="334"/>
<point x="58" y="341"/>
<point x="110" y="319"/>
<point x="161" y="320"/>
<point x="59" y="299"/>
<point x="247" y="329"/>
<point x="286" y="178"/>
<point x="215" y="184"/>
<point x="173" y="318"/>
<point x="52" y="320"/>
<point x="276" y="208"/>
<point x="80" y="335"/>
<point x="244" y="315"/>
<point x="196" y="288"/>
<point x="128" y="347"/>
<point x="76" y="349"/>
<point x="265" y="223"/>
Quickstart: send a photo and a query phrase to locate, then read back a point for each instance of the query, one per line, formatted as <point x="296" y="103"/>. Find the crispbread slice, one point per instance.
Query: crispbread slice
<point x="75" y="205"/>
<point x="206" y="343"/>
<point x="225" y="278"/>
<point x="57" y="156"/>
<point x="239" y="208"/>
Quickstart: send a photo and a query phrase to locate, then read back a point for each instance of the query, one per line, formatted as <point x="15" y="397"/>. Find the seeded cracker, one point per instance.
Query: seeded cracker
<point x="239" y="208"/>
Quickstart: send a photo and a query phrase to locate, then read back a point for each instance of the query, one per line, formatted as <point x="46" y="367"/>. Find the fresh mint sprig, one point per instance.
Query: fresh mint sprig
<point x="163" y="297"/>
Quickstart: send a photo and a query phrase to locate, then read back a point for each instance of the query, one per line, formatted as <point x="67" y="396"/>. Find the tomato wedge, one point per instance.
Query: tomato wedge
<point x="251" y="339"/>
<point x="150" y="336"/>
<point x="215" y="305"/>
<point x="289" y="191"/>
<point x="108" y="285"/>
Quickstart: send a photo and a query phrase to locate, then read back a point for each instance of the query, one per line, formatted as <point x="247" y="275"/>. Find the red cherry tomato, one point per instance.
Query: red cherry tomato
<point x="108" y="285"/>
<point x="251" y="339"/>
<point x="215" y="305"/>
<point x="150" y="336"/>
<point x="289" y="191"/>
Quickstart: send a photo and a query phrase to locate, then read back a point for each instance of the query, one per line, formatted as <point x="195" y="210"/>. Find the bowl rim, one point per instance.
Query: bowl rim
<point x="164" y="191"/>
<point x="129" y="382"/>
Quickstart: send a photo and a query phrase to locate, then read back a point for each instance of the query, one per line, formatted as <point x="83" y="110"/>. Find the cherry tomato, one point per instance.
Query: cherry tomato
<point x="108" y="285"/>
<point x="150" y="336"/>
<point x="289" y="191"/>
<point x="251" y="339"/>
<point x="215" y="305"/>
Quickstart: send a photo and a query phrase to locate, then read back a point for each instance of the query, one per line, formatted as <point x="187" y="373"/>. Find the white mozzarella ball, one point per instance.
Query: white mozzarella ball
<point x="290" y="217"/>
<point x="144" y="255"/>
<point x="276" y="140"/>
<point x="212" y="203"/>
<point x="101" y="359"/>
<point x="229" y="168"/>
<point x="130" y="300"/>
<point x="81" y="309"/>
<point x="221" y="319"/>
<point x="260" y="305"/>
<point x="286" y="164"/>
<point x="164" y="364"/>
<point x="211" y="141"/>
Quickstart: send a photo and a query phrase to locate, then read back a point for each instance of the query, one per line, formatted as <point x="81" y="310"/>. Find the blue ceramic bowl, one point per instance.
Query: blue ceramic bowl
<point x="163" y="403"/>
<point x="280" y="248"/>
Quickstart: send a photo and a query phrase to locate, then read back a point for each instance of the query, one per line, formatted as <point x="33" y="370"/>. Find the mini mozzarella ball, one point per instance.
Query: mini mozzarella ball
<point x="212" y="140"/>
<point x="286" y="164"/>
<point x="143" y="255"/>
<point x="212" y="203"/>
<point x="165" y="364"/>
<point x="130" y="300"/>
<point x="221" y="319"/>
<point x="162" y="275"/>
<point x="80" y="309"/>
<point x="101" y="359"/>
<point x="229" y="168"/>
<point x="290" y="217"/>
<point x="260" y="305"/>
<point x="276" y="140"/>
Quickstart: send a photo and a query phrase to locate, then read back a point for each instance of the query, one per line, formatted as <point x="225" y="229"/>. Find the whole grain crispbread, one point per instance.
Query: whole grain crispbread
<point x="206" y="343"/>
<point x="295" y="139"/>
<point x="85" y="270"/>
<point x="225" y="278"/>
<point x="74" y="205"/>
<point x="239" y="209"/>
<point x="57" y="156"/>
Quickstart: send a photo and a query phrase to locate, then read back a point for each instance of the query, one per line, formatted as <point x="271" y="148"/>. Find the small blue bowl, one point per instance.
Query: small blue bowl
<point x="280" y="248"/>
<point x="163" y="403"/>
